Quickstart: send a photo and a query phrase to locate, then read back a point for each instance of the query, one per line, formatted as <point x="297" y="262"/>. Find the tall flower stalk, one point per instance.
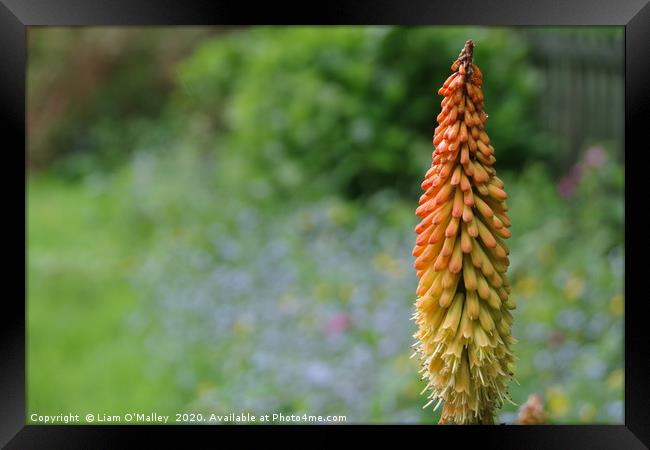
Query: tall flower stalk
<point x="463" y="303"/>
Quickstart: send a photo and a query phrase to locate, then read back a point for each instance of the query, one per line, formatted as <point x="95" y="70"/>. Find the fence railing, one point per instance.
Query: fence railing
<point x="582" y="76"/>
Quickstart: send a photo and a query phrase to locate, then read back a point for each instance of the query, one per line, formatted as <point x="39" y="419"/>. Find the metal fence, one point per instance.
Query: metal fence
<point x="582" y="77"/>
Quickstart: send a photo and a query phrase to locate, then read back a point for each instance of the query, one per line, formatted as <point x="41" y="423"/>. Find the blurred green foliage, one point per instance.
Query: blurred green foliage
<point x="248" y="247"/>
<point x="350" y="109"/>
<point x="164" y="259"/>
<point x="81" y="352"/>
<point x="567" y="278"/>
<point x="90" y="92"/>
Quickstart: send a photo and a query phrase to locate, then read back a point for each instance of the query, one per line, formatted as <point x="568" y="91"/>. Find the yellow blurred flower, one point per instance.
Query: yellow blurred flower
<point x="345" y="292"/>
<point x="404" y="364"/>
<point x="587" y="412"/>
<point x="546" y="254"/>
<point x="615" y="379"/>
<point x="574" y="287"/>
<point x="205" y="386"/>
<point x="242" y="327"/>
<point x="289" y="303"/>
<point x="339" y="214"/>
<point x="386" y="263"/>
<point x="323" y="291"/>
<point x="527" y="286"/>
<point x="558" y="402"/>
<point x="616" y="305"/>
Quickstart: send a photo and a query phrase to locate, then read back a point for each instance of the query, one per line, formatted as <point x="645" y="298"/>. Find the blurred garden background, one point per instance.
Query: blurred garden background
<point x="221" y="219"/>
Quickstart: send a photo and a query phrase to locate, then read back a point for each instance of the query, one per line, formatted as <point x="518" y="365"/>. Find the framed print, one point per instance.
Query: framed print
<point x="325" y="219"/>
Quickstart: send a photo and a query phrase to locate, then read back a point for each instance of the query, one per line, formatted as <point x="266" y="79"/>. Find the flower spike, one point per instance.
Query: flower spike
<point x="463" y="297"/>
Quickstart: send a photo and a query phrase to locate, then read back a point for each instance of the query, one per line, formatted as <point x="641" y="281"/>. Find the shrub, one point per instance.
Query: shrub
<point x="351" y="109"/>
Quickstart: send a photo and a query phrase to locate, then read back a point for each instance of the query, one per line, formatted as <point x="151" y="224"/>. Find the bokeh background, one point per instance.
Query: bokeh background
<point x="221" y="219"/>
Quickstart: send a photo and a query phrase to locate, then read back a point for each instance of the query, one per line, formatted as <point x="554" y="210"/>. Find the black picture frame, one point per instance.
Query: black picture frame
<point x="17" y="15"/>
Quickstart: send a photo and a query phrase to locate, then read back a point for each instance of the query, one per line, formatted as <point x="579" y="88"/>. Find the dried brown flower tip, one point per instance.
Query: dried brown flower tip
<point x="532" y="412"/>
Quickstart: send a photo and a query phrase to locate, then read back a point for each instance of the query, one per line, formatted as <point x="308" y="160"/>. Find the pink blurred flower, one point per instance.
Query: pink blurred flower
<point x="569" y="182"/>
<point x="338" y="323"/>
<point x="595" y="157"/>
